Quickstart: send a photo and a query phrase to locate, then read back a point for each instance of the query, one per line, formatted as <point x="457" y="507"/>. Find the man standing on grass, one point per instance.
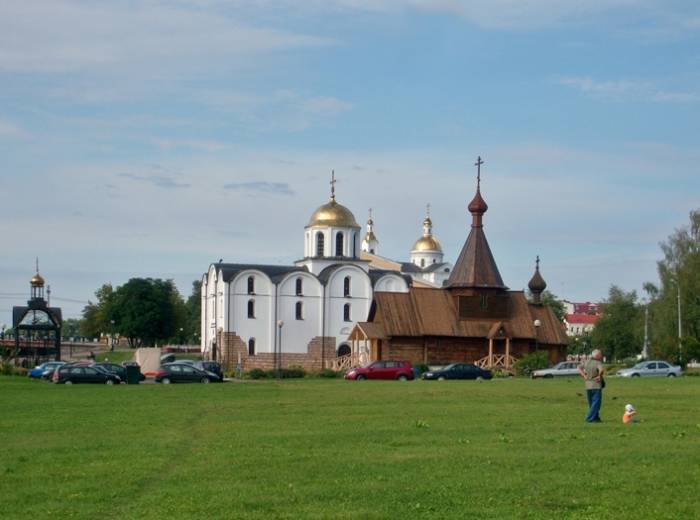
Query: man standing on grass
<point x="592" y="373"/>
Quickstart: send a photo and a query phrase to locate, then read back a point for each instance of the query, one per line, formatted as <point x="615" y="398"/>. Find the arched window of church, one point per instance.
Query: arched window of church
<point x="354" y="246"/>
<point x="346" y="286"/>
<point x="320" y="243"/>
<point x="346" y="312"/>
<point x="300" y="311"/>
<point x="251" y="347"/>
<point x="300" y="287"/>
<point x="422" y="262"/>
<point x="251" y="285"/>
<point x="339" y="244"/>
<point x="251" y="309"/>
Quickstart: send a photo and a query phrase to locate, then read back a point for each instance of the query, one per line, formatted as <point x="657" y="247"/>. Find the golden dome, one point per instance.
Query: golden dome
<point x="333" y="214"/>
<point x="427" y="243"/>
<point x="37" y="280"/>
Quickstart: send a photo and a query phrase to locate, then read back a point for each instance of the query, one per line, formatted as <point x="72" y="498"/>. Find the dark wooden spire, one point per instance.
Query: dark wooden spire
<point x="537" y="285"/>
<point x="476" y="267"/>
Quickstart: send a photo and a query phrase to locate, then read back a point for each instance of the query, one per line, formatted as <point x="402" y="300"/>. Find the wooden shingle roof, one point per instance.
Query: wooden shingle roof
<point x="433" y="312"/>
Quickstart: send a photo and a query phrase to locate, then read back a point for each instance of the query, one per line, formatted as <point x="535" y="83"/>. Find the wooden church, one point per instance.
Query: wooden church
<point x="474" y="318"/>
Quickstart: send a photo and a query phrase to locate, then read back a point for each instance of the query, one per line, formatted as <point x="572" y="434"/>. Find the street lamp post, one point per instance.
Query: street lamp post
<point x="537" y="324"/>
<point x="280" y="324"/>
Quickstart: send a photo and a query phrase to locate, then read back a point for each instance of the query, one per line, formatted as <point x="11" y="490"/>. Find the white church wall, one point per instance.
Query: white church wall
<point x="203" y="337"/>
<point x="428" y="258"/>
<point x="260" y="327"/>
<point x="391" y="283"/>
<point x="296" y="334"/>
<point x="210" y="325"/>
<point x="359" y="300"/>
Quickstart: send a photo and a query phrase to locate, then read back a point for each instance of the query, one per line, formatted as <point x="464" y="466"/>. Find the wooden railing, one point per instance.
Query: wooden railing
<point x="352" y="360"/>
<point x="500" y="361"/>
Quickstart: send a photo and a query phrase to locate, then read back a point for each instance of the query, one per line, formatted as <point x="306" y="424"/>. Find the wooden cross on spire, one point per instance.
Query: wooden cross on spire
<point x="478" y="164"/>
<point x="333" y="181"/>
<point x="537" y="263"/>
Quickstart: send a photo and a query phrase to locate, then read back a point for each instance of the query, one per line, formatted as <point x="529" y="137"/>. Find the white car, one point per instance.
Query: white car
<point x="651" y="368"/>
<point x="565" y="368"/>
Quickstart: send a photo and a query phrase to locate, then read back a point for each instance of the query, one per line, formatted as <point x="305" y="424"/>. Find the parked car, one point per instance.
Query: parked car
<point x="651" y="368"/>
<point x="565" y="368"/>
<point x="54" y="375"/>
<point x="207" y="366"/>
<point x="119" y="370"/>
<point x="76" y="374"/>
<point x="459" y="371"/>
<point x="211" y="366"/>
<point x="184" y="373"/>
<point x="400" y="370"/>
<point x="38" y="371"/>
<point x="47" y="375"/>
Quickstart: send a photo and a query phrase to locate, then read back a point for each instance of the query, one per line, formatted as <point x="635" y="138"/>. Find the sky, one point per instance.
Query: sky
<point x="151" y="138"/>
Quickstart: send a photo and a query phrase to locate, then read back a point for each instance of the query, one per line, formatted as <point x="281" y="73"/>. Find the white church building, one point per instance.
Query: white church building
<point x="267" y="316"/>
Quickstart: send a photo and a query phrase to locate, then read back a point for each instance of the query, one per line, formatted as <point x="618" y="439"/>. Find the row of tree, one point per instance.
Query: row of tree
<point x="145" y="311"/>
<point x="620" y="332"/>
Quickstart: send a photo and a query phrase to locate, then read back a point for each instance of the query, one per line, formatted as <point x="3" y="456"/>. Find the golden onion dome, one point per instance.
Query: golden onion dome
<point x="333" y="214"/>
<point x="37" y="280"/>
<point x="427" y="243"/>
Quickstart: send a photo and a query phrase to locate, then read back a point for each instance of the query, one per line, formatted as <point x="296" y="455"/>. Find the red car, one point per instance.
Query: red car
<point x="399" y="370"/>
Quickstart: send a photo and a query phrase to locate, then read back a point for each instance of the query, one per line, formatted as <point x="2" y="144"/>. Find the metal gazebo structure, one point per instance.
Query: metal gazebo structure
<point x="37" y="327"/>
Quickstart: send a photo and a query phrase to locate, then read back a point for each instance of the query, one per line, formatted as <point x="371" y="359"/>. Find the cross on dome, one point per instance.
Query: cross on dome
<point x="333" y="181"/>
<point x="478" y="164"/>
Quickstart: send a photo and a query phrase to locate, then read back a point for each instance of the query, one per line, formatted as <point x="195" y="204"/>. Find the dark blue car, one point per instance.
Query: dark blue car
<point x="459" y="371"/>
<point x="39" y="370"/>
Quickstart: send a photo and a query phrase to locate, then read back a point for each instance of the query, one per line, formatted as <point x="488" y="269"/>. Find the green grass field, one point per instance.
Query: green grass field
<point x="336" y="449"/>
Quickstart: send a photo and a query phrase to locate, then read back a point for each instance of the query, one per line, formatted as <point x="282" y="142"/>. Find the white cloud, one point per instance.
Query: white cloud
<point x="10" y="130"/>
<point x="286" y="110"/>
<point x="626" y="90"/>
<point x="66" y="35"/>
<point x="193" y="144"/>
<point x="498" y="14"/>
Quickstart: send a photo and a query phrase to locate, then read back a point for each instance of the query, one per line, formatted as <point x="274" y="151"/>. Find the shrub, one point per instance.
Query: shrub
<point x="6" y="369"/>
<point x="257" y="373"/>
<point x="498" y="373"/>
<point x="420" y="368"/>
<point x="328" y="373"/>
<point x="287" y="373"/>
<point x="527" y="364"/>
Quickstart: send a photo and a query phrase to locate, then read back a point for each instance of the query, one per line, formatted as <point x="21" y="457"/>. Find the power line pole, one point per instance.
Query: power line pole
<point x="679" y="316"/>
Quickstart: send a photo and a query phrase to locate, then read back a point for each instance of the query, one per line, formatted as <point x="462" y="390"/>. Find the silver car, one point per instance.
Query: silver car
<point x="565" y="368"/>
<point x="651" y="368"/>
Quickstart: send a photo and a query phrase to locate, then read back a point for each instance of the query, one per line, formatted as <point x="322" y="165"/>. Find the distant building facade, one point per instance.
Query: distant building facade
<point x="580" y="318"/>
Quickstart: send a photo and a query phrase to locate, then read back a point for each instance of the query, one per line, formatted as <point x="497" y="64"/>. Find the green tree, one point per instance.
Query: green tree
<point x="580" y="344"/>
<point x="679" y="272"/>
<point x="550" y="300"/>
<point x="145" y="311"/>
<point x="71" y="328"/>
<point x="618" y="332"/>
<point x="194" y="312"/>
<point x="96" y="316"/>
